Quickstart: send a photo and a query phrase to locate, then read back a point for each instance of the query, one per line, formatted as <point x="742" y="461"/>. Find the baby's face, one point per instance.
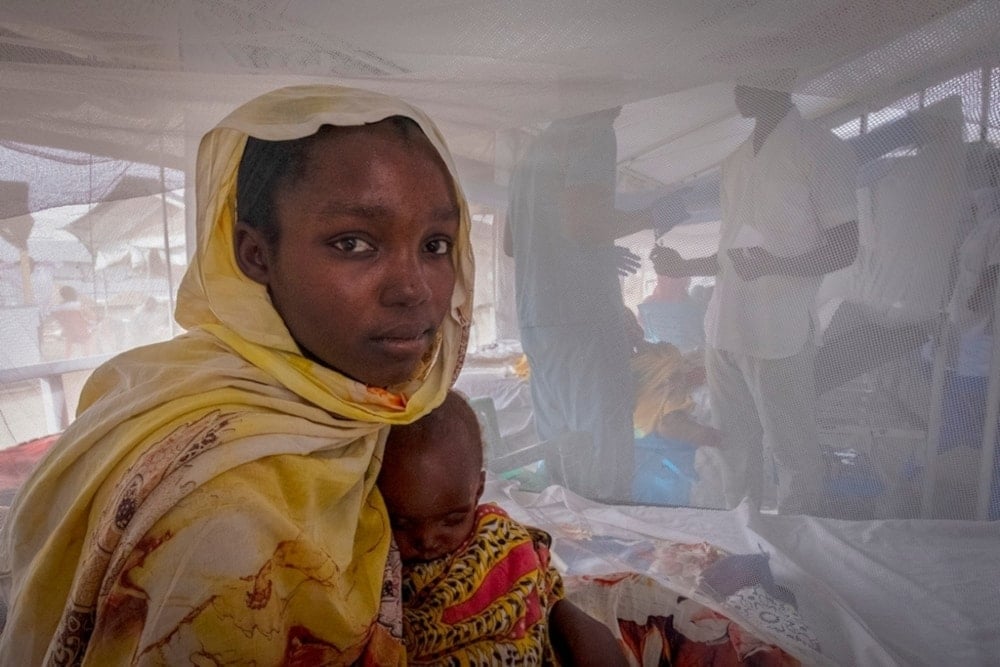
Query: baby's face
<point x="430" y="518"/>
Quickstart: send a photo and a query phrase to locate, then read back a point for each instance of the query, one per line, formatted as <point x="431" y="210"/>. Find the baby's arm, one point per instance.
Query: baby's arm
<point x="581" y="640"/>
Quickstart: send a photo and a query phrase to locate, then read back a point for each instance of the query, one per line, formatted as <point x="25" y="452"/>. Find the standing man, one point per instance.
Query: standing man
<point x="561" y="227"/>
<point x="788" y="217"/>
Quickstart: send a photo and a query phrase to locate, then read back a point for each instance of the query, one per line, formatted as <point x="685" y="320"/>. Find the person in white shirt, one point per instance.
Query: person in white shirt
<point x="789" y="216"/>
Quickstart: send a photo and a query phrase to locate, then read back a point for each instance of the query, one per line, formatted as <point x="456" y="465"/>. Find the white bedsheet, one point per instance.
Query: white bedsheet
<point x="873" y="592"/>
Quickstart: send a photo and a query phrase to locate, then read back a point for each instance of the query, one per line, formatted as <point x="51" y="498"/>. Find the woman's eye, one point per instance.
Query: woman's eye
<point x="352" y="244"/>
<point x="439" y="246"/>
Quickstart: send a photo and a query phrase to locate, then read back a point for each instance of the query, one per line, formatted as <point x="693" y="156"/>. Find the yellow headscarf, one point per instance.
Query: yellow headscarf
<point x="214" y="499"/>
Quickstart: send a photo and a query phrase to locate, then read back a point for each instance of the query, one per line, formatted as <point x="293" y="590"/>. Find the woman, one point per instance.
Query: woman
<point x="214" y="501"/>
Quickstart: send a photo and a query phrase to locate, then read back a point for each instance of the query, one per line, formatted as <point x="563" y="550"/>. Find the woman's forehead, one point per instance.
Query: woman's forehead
<point x="353" y="150"/>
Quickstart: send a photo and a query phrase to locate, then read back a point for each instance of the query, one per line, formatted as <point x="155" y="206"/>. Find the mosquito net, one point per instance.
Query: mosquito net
<point x="737" y="257"/>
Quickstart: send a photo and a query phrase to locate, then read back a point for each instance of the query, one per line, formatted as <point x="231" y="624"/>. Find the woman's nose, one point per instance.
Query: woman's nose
<point x="407" y="283"/>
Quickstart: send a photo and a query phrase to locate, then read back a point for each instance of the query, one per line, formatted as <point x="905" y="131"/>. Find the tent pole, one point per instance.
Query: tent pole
<point x="166" y="242"/>
<point x="986" y="467"/>
<point x="942" y="349"/>
<point x="27" y="289"/>
<point x="90" y="229"/>
<point x="945" y="348"/>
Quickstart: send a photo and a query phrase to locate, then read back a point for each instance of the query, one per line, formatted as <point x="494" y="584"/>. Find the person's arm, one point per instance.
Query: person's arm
<point x="837" y="251"/>
<point x="590" y="218"/>
<point x="581" y="640"/>
<point x="680" y="425"/>
<point x="668" y="262"/>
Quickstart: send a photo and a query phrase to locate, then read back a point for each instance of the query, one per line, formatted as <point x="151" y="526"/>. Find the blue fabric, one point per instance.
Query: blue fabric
<point x="664" y="471"/>
<point x="679" y="323"/>
<point x="857" y="480"/>
<point x="963" y="412"/>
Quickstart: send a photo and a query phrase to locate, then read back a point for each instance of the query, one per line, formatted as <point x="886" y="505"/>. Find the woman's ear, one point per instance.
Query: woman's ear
<point x="252" y="253"/>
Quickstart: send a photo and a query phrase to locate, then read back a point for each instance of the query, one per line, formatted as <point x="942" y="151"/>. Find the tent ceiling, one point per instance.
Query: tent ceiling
<point x="141" y="80"/>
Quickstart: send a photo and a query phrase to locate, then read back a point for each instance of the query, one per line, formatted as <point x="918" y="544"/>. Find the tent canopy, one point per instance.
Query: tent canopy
<point x="142" y="81"/>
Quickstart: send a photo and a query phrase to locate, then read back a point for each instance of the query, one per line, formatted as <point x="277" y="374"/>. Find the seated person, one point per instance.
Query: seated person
<point x="478" y="587"/>
<point x="664" y="381"/>
<point x="670" y="441"/>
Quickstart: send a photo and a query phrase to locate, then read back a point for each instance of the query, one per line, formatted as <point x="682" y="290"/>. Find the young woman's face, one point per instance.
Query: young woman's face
<point x="363" y="273"/>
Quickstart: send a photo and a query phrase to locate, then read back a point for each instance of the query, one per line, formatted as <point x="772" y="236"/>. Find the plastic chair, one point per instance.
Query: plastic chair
<point x="556" y="465"/>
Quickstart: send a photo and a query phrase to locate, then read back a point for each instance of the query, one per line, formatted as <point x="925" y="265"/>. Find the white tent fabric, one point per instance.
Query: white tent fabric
<point x="104" y="104"/>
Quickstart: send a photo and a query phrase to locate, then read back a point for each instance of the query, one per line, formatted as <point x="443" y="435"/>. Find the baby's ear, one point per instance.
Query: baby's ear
<point x="482" y="485"/>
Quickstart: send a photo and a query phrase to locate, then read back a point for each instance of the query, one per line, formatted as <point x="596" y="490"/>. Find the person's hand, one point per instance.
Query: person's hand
<point x="666" y="213"/>
<point x="667" y="262"/>
<point x="752" y="263"/>
<point x="680" y="425"/>
<point x="627" y="261"/>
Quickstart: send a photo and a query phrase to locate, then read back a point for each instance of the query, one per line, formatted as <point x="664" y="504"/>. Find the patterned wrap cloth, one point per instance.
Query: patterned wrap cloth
<point x="486" y="604"/>
<point x="214" y="502"/>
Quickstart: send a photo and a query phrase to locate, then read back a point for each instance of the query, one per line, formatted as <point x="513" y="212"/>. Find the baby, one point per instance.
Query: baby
<point x="478" y="587"/>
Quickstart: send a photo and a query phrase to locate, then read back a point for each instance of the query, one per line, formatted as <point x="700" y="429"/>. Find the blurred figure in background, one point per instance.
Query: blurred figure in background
<point x="561" y="229"/>
<point x="788" y="217"/>
<point x="76" y="321"/>
<point x="969" y="349"/>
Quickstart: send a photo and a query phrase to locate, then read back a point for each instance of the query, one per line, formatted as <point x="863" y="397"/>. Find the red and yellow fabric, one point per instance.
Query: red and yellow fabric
<point x="214" y="502"/>
<point x="486" y="604"/>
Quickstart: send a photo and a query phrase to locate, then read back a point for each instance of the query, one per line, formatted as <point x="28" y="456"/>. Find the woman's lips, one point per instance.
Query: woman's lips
<point x="404" y="344"/>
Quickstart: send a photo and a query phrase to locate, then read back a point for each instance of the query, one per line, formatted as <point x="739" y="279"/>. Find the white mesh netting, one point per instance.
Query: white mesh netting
<point x="803" y="199"/>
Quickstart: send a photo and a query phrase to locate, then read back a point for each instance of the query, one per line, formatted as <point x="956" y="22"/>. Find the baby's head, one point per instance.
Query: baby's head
<point x="432" y="478"/>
